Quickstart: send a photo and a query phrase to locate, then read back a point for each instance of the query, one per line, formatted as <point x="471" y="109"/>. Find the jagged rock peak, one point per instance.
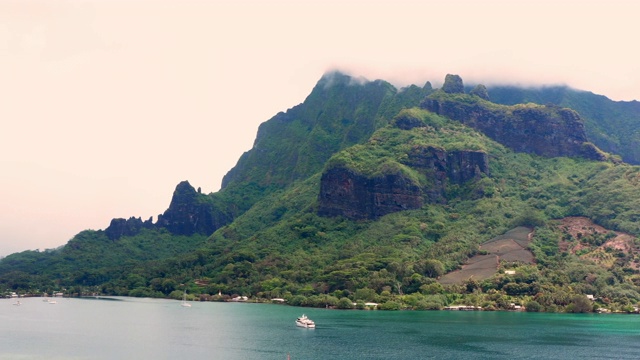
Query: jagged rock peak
<point x="184" y="193"/>
<point x="192" y="212"/>
<point x="480" y="91"/>
<point x="453" y="84"/>
<point x="120" y="227"/>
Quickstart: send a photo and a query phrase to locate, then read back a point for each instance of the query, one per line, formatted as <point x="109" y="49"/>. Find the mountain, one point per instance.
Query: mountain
<point x="340" y="111"/>
<point x="369" y="193"/>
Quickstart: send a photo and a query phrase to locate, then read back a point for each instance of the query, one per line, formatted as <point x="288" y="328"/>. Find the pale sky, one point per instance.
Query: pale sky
<point x="106" y="106"/>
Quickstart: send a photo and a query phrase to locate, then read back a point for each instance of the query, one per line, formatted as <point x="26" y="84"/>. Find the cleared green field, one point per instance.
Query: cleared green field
<point x="520" y="234"/>
<point x="478" y="267"/>
<point x="511" y="246"/>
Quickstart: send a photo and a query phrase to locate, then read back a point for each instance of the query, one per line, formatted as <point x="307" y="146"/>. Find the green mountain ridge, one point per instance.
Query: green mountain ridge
<point x="266" y="234"/>
<point x="611" y="125"/>
<point x="338" y="113"/>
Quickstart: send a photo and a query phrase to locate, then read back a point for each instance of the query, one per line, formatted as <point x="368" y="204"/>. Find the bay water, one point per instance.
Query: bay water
<point x="134" y="328"/>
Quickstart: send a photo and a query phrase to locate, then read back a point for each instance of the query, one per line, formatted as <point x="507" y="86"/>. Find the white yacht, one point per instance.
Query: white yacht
<point x="305" y="322"/>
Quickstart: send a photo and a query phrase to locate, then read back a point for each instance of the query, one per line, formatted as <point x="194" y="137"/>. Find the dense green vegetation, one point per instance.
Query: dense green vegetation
<point x="340" y="111"/>
<point x="388" y="147"/>
<point x="277" y="245"/>
<point x="91" y="259"/>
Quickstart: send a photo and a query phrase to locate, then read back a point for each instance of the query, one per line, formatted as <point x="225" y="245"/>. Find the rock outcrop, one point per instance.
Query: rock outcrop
<point x="480" y="91"/>
<point x="543" y="130"/>
<point x="350" y="194"/>
<point x="406" y="121"/>
<point x="442" y="168"/>
<point x="453" y="84"/>
<point x="466" y="165"/>
<point x="191" y="212"/>
<point x="347" y="193"/>
<point x="127" y="227"/>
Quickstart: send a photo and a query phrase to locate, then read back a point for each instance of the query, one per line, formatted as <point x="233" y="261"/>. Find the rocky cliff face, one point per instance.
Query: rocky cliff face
<point x="190" y="212"/>
<point x="453" y="84"/>
<point x="457" y="167"/>
<point x="126" y="227"/>
<point x="350" y="194"/>
<point x="466" y="165"/>
<point x="543" y="130"/>
<point x="347" y="193"/>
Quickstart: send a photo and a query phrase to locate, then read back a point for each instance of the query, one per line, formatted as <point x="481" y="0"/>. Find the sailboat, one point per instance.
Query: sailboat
<point x="184" y="300"/>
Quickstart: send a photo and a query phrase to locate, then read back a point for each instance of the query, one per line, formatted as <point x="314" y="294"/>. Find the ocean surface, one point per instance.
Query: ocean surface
<point x="132" y="328"/>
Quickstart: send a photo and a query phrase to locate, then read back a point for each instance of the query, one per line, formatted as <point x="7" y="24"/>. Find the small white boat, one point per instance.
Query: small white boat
<point x="305" y="322"/>
<point x="18" y="303"/>
<point x="52" y="302"/>
<point x="184" y="300"/>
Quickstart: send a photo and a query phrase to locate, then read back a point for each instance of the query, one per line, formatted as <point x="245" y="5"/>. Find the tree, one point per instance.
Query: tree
<point x="431" y="289"/>
<point x="391" y="305"/>
<point x="533" y="306"/>
<point x="365" y="294"/>
<point x="530" y="218"/>
<point x="168" y="285"/>
<point x="433" y="268"/>
<point x="345" y="303"/>
<point x="135" y="281"/>
<point x="580" y="304"/>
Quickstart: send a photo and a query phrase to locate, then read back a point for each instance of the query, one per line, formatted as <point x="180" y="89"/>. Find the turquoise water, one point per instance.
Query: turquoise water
<point x="162" y="329"/>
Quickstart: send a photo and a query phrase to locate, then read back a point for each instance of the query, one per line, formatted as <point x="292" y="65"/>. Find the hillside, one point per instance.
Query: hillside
<point x="339" y="112"/>
<point x="368" y="193"/>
